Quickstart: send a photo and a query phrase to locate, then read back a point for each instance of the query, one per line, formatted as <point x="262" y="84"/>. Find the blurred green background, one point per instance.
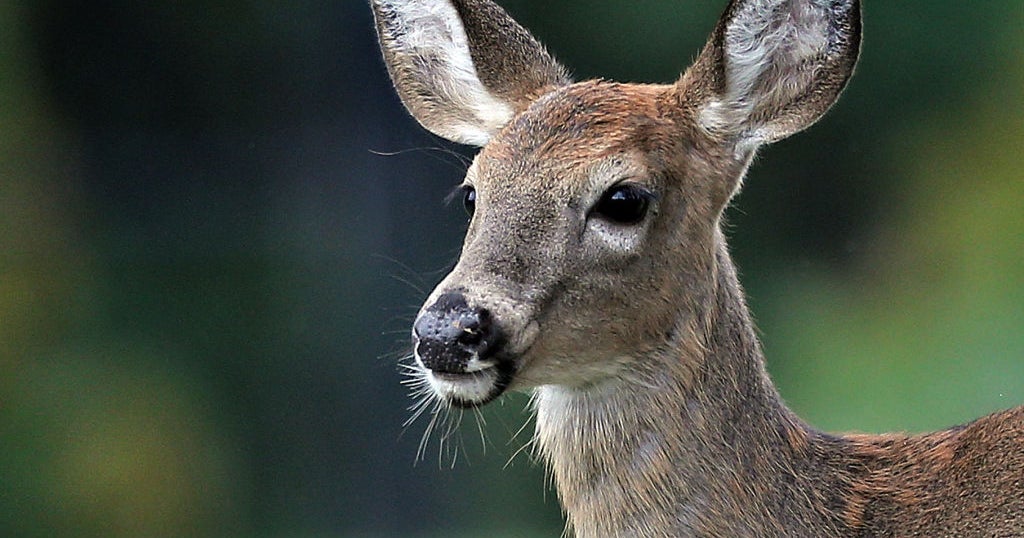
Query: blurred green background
<point x="208" y="267"/>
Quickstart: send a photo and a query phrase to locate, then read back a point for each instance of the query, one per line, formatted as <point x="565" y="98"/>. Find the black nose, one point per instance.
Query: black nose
<point x="449" y="333"/>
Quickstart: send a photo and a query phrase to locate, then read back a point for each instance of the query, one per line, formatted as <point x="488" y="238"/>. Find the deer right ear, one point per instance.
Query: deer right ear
<point x="463" y="68"/>
<point x="773" y="67"/>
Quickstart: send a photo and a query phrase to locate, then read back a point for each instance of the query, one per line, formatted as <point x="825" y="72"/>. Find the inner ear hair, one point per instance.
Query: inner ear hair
<point x="778" y="66"/>
<point x="463" y="68"/>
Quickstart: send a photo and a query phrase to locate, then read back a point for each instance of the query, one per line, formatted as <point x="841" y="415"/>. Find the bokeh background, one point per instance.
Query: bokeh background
<point x="216" y="224"/>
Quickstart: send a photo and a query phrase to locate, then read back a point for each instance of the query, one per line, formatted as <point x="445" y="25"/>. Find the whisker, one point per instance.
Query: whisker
<point x="417" y="408"/>
<point x="458" y="161"/>
<point x="397" y="355"/>
<point x="530" y="446"/>
<point x="393" y="332"/>
<point x="412" y="273"/>
<point x="418" y="288"/>
<point x="480" y="423"/>
<point x="435" y="413"/>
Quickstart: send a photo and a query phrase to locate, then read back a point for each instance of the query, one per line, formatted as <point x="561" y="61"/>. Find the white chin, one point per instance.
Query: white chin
<point x="466" y="390"/>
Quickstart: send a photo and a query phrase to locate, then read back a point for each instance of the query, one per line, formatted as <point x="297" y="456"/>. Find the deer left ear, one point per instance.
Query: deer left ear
<point x="463" y="68"/>
<point x="774" y="67"/>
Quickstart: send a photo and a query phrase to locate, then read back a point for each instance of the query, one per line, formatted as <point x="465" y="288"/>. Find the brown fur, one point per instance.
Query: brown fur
<point x="654" y="410"/>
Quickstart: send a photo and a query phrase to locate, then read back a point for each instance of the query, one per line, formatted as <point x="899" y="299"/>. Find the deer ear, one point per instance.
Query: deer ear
<point x="773" y="67"/>
<point x="463" y="68"/>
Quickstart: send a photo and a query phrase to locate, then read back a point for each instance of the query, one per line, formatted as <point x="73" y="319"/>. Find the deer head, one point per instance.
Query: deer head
<point x="595" y="242"/>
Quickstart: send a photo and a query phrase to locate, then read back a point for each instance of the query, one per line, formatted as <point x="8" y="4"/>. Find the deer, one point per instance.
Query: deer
<point x="595" y="274"/>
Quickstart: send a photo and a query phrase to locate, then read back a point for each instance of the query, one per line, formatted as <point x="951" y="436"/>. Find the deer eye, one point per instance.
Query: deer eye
<point x="469" y="200"/>
<point x="623" y="204"/>
<point x="468" y="195"/>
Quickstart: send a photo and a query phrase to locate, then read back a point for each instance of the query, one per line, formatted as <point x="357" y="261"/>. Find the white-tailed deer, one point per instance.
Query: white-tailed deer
<point x="595" y="273"/>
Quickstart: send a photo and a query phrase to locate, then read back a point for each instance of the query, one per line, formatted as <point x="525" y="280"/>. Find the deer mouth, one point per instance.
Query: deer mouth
<point x="476" y="385"/>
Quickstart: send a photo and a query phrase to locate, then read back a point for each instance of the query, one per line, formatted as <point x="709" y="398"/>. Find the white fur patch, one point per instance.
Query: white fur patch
<point x="766" y="44"/>
<point x="433" y="37"/>
<point x="476" y="387"/>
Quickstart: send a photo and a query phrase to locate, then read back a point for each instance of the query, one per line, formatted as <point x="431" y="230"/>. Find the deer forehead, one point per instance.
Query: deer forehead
<point x="570" y="139"/>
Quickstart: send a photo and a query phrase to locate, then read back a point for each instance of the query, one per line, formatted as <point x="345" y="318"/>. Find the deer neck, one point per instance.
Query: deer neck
<point x="671" y="449"/>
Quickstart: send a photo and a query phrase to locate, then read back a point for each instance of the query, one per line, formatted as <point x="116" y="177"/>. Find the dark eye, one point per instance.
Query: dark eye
<point x="623" y="204"/>
<point x="469" y="200"/>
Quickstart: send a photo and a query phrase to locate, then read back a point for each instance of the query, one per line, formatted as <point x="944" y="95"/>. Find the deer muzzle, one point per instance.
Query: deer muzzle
<point x="459" y="346"/>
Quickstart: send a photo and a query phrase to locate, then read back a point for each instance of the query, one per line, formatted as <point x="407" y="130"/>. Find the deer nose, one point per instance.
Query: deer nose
<point x="449" y="334"/>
